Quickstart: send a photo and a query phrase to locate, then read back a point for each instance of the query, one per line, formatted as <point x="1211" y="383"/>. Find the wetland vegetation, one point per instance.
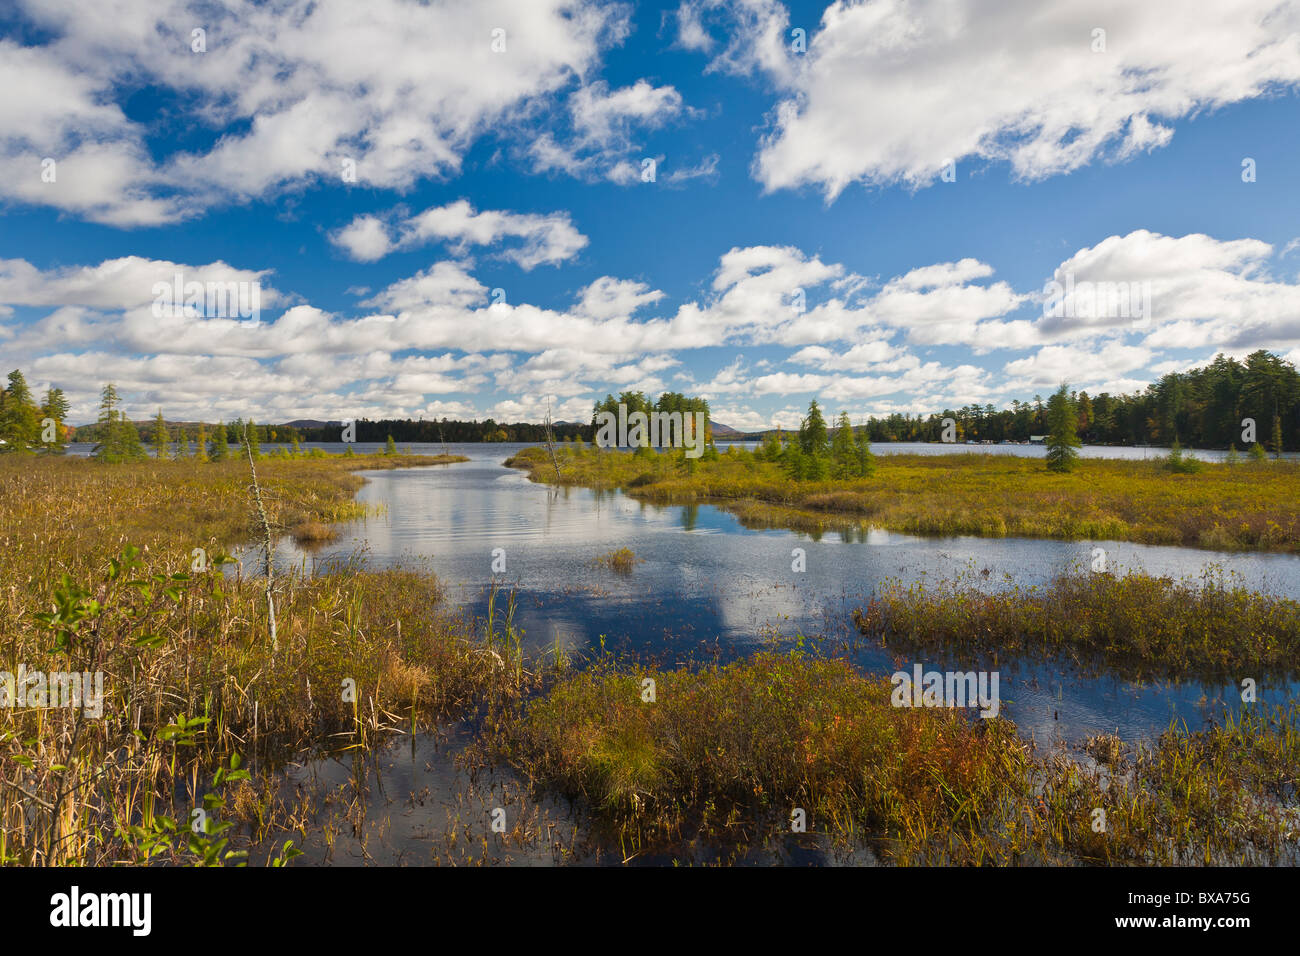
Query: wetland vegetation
<point x="1246" y="506"/>
<point x="724" y="754"/>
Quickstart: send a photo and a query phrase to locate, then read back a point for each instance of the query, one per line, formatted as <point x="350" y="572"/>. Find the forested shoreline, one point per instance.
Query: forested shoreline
<point x="1200" y="408"/>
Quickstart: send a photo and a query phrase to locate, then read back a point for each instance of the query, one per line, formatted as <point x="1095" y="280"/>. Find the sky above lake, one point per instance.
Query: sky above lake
<point x="469" y="209"/>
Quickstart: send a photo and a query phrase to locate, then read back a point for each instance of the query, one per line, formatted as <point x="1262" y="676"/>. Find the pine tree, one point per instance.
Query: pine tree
<point x="250" y="436"/>
<point x="132" y="447"/>
<point x="55" y="409"/>
<point x="390" y="447"/>
<point x="795" y="462"/>
<point x="109" y="447"/>
<point x="201" y="443"/>
<point x="19" y="416"/>
<point x="844" y="450"/>
<point x="866" y="458"/>
<point x="812" y="433"/>
<point x="220" y="442"/>
<point x="160" y="436"/>
<point x="1063" y="431"/>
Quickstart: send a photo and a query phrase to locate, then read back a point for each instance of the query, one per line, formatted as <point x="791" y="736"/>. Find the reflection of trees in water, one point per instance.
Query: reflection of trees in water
<point x="690" y="516"/>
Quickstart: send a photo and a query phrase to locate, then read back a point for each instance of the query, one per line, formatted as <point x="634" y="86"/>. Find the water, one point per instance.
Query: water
<point x="707" y="587"/>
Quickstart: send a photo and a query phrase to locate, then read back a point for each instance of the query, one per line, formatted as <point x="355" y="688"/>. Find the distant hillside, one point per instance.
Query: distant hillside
<point x="312" y="423"/>
<point x="313" y="429"/>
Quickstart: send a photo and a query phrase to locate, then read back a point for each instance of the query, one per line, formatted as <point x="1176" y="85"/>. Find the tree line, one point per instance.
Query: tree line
<point x="1202" y="407"/>
<point x="24" y="424"/>
<point x="640" y="402"/>
<point x="444" y="430"/>
<point x="813" y="454"/>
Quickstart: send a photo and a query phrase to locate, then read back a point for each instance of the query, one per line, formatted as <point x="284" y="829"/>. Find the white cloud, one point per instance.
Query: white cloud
<point x="1205" y="293"/>
<point x="1054" y="364"/>
<point x="756" y="35"/>
<point x="290" y="91"/>
<point x="365" y="239"/>
<point x="602" y="140"/>
<point x="890" y="91"/>
<point x="905" y="342"/>
<point x="545" y="240"/>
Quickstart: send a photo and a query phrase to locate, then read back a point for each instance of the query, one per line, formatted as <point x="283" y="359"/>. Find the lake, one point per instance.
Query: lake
<point x="708" y="588"/>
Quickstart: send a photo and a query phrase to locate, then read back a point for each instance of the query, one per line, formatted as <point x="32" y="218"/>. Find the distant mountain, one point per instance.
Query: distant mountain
<point x="310" y="423"/>
<point x="725" y="431"/>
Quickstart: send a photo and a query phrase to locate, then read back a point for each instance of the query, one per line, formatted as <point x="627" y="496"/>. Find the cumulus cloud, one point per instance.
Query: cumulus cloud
<point x="603" y="131"/>
<point x="821" y="329"/>
<point x="752" y="35"/>
<point x="543" y="239"/>
<point x="891" y="91"/>
<point x="285" y="93"/>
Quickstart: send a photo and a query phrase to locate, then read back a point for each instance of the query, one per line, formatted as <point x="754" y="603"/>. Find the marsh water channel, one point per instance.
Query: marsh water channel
<point x="708" y="588"/>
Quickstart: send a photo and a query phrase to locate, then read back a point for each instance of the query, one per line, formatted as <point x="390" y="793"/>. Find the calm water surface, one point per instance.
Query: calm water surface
<point x="706" y="586"/>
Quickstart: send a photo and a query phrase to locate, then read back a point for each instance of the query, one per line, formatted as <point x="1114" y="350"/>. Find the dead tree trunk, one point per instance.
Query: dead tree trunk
<point x="266" y="541"/>
<point x="550" y="441"/>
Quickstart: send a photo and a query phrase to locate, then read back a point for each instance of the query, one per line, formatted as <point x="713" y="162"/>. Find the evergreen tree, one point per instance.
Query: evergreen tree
<point x="1277" y="436"/>
<point x="132" y="446"/>
<point x="19" y="416"/>
<point x="795" y="462"/>
<point x="390" y="447"/>
<point x="220" y="443"/>
<point x="55" y="409"/>
<point x="160" y="436"/>
<point x="250" y="436"/>
<point x="771" y="448"/>
<point x="844" y="450"/>
<point x="866" y="458"/>
<point x="109" y="448"/>
<point x="118" y="439"/>
<point x="201" y="443"/>
<point x="813" y="440"/>
<point x="1063" y="431"/>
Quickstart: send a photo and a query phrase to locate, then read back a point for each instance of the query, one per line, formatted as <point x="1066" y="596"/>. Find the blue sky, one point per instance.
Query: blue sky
<point x="133" y="151"/>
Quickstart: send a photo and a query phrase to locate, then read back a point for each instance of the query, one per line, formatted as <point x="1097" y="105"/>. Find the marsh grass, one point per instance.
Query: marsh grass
<point x="1136" y="626"/>
<point x="1247" y="506"/>
<point x="100" y="573"/>
<point x="191" y="685"/>
<point x="621" y="560"/>
<point x="313" y="533"/>
<point x="722" y="747"/>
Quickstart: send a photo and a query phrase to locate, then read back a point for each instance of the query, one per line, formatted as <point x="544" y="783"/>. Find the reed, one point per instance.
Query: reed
<point x="736" y="750"/>
<point x="621" y="560"/>
<point x="124" y="570"/>
<point x="1223" y="507"/>
<point x="1136" y="626"/>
